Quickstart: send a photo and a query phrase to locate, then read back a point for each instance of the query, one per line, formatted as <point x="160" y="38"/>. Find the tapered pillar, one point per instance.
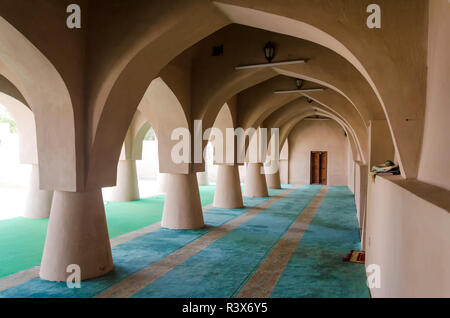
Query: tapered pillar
<point x="202" y="178"/>
<point x="76" y="234"/>
<point x="273" y="180"/>
<point x="273" y="175"/>
<point x="127" y="188"/>
<point x="255" y="181"/>
<point x="228" y="194"/>
<point x="162" y="182"/>
<point x="39" y="202"/>
<point x="182" y="206"/>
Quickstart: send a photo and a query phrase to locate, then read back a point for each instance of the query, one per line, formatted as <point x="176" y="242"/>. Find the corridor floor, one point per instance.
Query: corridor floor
<point x="22" y="239"/>
<point x="288" y="245"/>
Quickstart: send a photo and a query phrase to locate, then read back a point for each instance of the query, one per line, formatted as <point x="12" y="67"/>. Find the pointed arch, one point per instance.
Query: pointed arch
<point x="44" y="90"/>
<point x="163" y="110"/>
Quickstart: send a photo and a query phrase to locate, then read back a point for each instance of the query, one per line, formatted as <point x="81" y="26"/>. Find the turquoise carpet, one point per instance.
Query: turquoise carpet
<point x="222" y="268"/>
<point x="21" y="244"/>
<point x="316" y="268"/>
<point x="131" y="257"/>
<point x="22" y="240"/>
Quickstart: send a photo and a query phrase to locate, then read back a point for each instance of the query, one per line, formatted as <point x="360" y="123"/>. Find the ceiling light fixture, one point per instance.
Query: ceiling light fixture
<point x="317" y="119"/>
<point x="269" y="54"/>
<point x="305" y="90"/>
<point x="241" y="67"/>
<point x="269" y="51"/>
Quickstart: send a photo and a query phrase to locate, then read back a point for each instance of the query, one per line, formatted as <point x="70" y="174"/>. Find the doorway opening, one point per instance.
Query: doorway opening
<point x="319" y="161"/>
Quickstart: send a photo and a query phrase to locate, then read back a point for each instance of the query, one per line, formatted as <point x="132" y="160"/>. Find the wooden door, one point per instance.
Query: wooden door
<point x="323" y="167"/>
<point x="319" y="162"/>
<point x="315" y="167"/>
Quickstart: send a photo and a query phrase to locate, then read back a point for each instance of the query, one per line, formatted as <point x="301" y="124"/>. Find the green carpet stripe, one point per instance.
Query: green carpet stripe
<point x="21" y="244"/>
<point x="221" y="268"/>
<point x="316" y="268"/>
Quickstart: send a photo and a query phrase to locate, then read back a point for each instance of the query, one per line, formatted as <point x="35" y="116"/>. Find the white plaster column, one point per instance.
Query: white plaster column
<point x="77" y="234"/>
<point x="255" y="181"/>
<point x="228" y="194"/>
<point x="202" y="177"/>
<point x="127" y="188"/>
<point x="39" y="202"/>
<point x="182" y="205"/>
<point x="273" y="178"/>
<point x="162" y="182"/>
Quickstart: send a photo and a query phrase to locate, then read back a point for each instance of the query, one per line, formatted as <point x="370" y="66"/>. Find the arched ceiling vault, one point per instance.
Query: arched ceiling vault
<point x="384" y="59"/>
<point x="290" y="124"/>
<point x="262" y="105"/>
<point x="282" y="118"/>
<point x="212" y="75"/>
<point x="119" y="64"/>
<point x="218" y="81"/>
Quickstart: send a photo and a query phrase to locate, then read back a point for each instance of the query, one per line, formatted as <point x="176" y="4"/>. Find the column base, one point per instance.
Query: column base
<point x="255" y="181"/>
<point x="273" y="180"/>
<point x="228" y="194"/>
<point x="182" y="205"/>
<point x="127" y="188"/>
<point x="77" y="234"/>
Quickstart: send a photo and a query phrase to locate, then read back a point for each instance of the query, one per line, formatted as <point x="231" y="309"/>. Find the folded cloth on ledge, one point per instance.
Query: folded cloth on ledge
<point x="387" y="168"/>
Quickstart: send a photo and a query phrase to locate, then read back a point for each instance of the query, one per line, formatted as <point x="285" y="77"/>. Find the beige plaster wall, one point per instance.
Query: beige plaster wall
<point x="408" y="237"/>
<point x="434" y="163"/>
<point x="317" y="135"/>
<point x="350" y="169"/>
<point x="381" y="147"/>
<point x="361" y="177"/>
